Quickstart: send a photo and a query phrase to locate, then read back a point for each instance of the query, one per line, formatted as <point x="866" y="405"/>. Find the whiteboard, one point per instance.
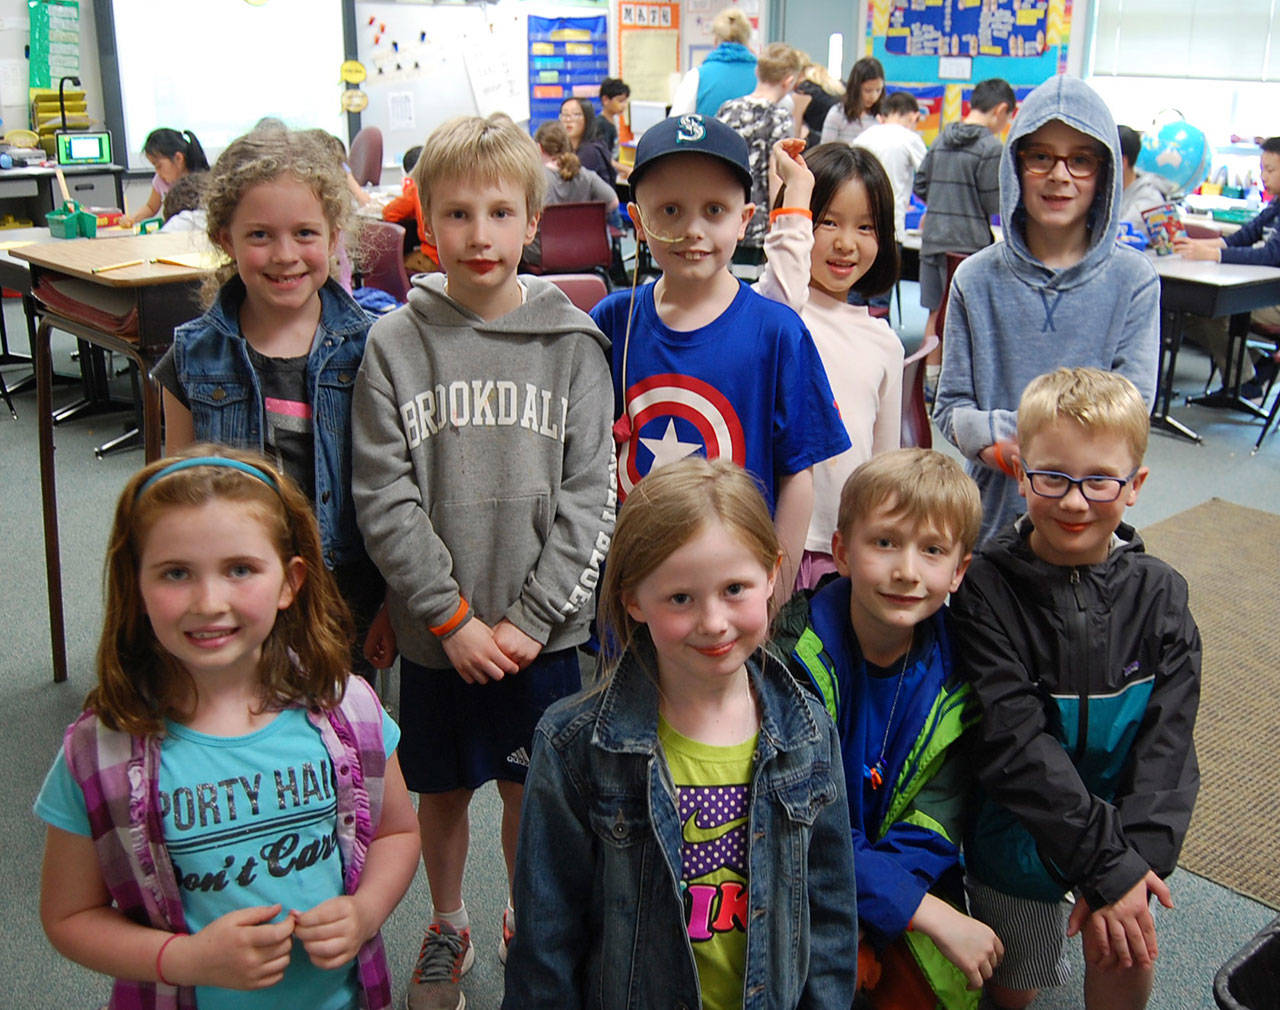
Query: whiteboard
<point x="216" y="66"/>
<point x="429" y="63"/>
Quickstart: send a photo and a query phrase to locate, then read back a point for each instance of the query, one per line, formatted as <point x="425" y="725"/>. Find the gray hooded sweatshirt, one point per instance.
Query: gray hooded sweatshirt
<point x="484" y="466"/>
<point x="1010" y="318"/>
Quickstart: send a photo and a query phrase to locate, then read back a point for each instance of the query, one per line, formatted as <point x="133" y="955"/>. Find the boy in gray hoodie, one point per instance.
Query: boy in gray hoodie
<point x="1059" y="291"/>
<point x="484" y="487"/>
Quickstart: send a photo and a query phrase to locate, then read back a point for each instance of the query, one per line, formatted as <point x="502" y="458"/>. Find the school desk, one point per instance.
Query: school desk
<point x="34" y="191"/>
<point x="1204" y="288"/>
<point x="151" y="299"/>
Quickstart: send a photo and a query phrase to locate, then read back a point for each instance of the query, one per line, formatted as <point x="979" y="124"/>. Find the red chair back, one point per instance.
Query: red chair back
<point x="584" y="290"/>
<point x="366" y="156"/>
<point x="574" y="239"/>
<point x="383" y="267"/>
<point x="916" y="430"/>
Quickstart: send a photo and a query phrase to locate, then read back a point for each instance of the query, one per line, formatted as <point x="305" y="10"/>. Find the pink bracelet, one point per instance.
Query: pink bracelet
<point x="160" y="954"/>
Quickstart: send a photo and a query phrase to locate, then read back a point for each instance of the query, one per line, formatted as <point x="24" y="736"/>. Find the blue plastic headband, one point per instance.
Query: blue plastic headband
<point x="187" y="464"/>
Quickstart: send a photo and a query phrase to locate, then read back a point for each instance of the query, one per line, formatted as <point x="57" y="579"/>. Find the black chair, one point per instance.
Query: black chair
<point x="1250" y="980"/>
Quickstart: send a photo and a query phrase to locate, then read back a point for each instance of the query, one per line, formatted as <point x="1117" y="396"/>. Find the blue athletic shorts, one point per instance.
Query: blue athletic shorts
<point x="456" y="735"/>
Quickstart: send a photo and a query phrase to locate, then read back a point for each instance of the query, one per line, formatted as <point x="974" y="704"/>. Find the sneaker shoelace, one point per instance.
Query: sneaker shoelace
<point x="440" y="957"/>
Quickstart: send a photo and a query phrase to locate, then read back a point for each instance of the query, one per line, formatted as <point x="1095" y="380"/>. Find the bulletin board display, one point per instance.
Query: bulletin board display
<point x="648" y="48"/>
<point x="943" y="103"/>
<point x="425" y="64"/>
<point x="568" y="58"/>
<point x="1023" y="41"/>
<point x="55" y="41"/>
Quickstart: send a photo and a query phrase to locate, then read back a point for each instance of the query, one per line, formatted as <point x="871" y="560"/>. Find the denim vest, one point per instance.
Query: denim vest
<point x="212" y="362"/>
<point x="600" y="856"/>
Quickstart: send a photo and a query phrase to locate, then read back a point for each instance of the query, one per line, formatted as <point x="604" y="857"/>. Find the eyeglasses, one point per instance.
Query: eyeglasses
<point x="1096" y="488"/>
<point x="572" y="115"/>
<point x="1042" y="161"/>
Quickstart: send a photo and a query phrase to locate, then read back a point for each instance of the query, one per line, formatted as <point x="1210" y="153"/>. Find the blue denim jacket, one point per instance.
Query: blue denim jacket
<point x="212" y="362"/>
<point x="598" y="868"/>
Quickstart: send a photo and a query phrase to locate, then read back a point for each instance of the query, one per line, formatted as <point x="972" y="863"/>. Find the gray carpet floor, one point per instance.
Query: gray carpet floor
<point x="1208" y="924"/>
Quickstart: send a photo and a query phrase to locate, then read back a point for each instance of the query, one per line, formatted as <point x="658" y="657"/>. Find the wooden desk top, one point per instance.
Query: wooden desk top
<point x="1175" y="267"/>
<point x="78" y="258"/>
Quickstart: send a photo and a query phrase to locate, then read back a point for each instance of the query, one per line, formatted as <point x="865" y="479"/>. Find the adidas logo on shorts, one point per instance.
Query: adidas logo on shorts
<point x="519" y="757"/>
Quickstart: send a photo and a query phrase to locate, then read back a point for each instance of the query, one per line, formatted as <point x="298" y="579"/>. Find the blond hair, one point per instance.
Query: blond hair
<point x="778" y="62"/>
<point x="665" y="510"/>
<point x="306" y="656"/>
<point x="731" y="25"/>
<point x="1093" y="398"/>
<point x="923" y="485"/>
<point x="265" y="155"/>
<point x="492" y="150"/>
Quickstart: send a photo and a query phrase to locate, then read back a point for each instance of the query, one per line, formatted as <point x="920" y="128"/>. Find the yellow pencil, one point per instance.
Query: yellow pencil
<point x="118" y="266"/>
<point x="170" y="263"/>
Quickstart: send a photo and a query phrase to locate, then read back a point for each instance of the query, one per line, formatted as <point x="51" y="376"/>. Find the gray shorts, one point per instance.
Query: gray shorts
<point x="933" y="279"/>
<point x="1033" y="933"/>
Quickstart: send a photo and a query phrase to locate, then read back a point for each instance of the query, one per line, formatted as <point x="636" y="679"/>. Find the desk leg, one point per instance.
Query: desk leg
<point x="1237" y="354"/>
<point x="49" y="498"/>
<point x="1170" y="341"/>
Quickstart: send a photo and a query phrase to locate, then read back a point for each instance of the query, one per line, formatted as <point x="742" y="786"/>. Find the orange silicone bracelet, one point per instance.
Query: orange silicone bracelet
<point x="802" y="211"/>
<point x="459" y="615"/>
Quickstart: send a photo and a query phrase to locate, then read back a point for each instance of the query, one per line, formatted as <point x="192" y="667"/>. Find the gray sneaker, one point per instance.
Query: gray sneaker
<point x="445" y="957"/>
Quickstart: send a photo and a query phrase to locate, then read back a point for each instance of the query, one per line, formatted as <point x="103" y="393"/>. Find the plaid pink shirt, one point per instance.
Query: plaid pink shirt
<point x="120" y="777"/>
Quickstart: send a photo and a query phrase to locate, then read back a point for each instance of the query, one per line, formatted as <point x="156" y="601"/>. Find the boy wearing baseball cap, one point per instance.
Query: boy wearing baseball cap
<point x="701" y="363"/>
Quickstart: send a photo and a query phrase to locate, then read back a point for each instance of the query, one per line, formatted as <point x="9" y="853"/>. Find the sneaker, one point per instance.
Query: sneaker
<point x="504" y="942"/>
<point x="445" y="957"/>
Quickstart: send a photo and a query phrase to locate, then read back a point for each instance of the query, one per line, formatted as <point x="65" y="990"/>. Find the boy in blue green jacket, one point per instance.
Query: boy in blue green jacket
<point x="874" y="644"/>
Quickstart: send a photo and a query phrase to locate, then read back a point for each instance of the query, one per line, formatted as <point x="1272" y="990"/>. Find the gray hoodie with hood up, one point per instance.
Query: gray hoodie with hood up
<point x="1010" y="318"/>
<point x="483" y="464"/>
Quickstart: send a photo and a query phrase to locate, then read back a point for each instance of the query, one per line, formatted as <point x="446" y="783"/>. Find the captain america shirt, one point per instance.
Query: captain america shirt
<point x="749" y="386"/>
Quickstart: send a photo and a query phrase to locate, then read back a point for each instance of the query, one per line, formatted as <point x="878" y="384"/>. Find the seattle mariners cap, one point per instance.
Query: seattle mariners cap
<point x="693" y="134"/>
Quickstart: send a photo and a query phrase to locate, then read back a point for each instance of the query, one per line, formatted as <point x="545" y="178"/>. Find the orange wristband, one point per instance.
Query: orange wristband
<point x="459" y="615"/>
<point x="802" y="211"/>
<point x="160" y="954"/>
<point x="1004" y="464"/>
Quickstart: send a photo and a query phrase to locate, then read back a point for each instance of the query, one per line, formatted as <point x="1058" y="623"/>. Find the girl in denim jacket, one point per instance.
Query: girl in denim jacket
<point x="227" y="821"/>
<point x="685" y="838"/>
<point x="271" y="365"/>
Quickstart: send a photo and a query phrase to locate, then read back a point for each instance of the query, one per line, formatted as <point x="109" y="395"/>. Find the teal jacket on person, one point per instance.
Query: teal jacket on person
<point x="906" y="831"/>
<point x="729" y="71"/>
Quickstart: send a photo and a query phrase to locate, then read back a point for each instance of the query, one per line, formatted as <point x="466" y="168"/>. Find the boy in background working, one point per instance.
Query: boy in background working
<point x="484" y="488"/>
<point x="875" y="645"/>
<point x="1141" y="191"/>
<point x="701" y="363"/>
<point x="959" y="181"/>
<point x="1059" y="290"/>
<point x="1086" y="665"/>
<point x="899" y="147"/>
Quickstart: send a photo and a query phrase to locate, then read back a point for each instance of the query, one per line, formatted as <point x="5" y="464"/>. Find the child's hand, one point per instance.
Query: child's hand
<point x="1196" y="249"/>
<point x="971" y="945"/>
<point x="518" y="647"/>
<point x="1002" y="456"/>
<point x="1123" y="933"/>
<point x="791" y="171"/>
<point x="475" y="655"/>
<point x="380" y="642"/>
<point x="243" y="949"/>
<point x="332" y="932"/>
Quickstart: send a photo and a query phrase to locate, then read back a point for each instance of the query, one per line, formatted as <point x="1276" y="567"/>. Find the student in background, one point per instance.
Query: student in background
<point x="420" y="256"/>
<point x="815" y="93"/>
<point x="271" y="364"/>
<point x="685" y="840"/>
<point x="1058" y="291"/>
<point x="728" y="71"/>
<point x="223" y="660"/>
<point x="833" y="234"/>
<point x="1085" y="662"/>
<point x="900" y="149"/>
<point x="578" y="119"/>
<point x="183" y="207"/>
<point x="1141" y="190"/>
<point x="701" y="363"/>
<point x="762" y="120"/>
<point x="484" y="486"/>
<point x="875" y="646"/>
<point x="566" y="182"/>
<point x="1238" y="247"/>
<point x="959" y="181"/>
<point x="172" y="155"/>
<point x="611" y="124"/>
<point x="861" y="103"/>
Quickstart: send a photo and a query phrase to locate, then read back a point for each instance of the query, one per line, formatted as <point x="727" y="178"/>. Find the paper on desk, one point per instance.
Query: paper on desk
<point x="199" y="259"/>
<point x="16" y="244"/>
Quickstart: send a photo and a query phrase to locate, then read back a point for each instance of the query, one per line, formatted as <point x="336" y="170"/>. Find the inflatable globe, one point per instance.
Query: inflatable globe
<point x="1177" y="152"/>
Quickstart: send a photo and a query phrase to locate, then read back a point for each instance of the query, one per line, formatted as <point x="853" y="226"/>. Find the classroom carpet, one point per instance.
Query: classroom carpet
<point x="1227" y="553"/>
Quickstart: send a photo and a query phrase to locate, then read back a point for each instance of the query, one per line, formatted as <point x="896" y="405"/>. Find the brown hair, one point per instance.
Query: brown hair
<point x="866" y="69"/>
<point x="264" y="155"/>
<point x="492" y="149"/>
<point x="554" y="142"/>
<point x="665" y="510"/>
<point x="921" y="484"/>
<point x="1091" y="397"/>
<point x="306" y="656"/>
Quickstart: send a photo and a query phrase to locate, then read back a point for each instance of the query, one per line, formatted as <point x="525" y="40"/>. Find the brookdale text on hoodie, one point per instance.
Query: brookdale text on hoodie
<point x="1010" y="318"/>
<point x="483" y="464"/>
